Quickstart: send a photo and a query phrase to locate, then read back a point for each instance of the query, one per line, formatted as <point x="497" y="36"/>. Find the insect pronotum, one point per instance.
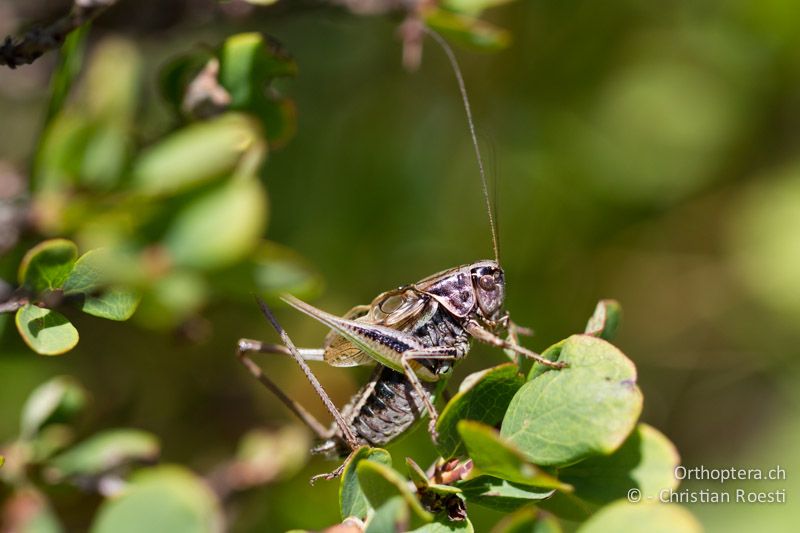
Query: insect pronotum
<point x="415" y="333"/>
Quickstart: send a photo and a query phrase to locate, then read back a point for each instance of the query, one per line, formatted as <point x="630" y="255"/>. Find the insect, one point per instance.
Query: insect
<point x="414" y="334"/>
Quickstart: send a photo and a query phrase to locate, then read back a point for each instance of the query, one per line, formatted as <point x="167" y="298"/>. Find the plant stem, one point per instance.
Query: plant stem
<point x="36" y="42"/>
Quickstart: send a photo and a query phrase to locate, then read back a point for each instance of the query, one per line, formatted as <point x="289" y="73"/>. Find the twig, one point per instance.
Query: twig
<point x="12" y="305"/>
<point x="26" y="50"/>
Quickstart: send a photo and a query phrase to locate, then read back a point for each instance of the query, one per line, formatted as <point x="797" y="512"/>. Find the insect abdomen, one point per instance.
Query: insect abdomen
<point x="381" y="411"/>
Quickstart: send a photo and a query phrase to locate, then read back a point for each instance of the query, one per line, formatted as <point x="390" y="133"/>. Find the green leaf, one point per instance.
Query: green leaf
<point x="352" y="501"/>
<point x="56" y="400"/>
<point x="502" y="495"/>
<point x="248" y="63"/>
<point x="528" y="520"/>
<point x="588" y="408"/>
<point x="69" y="65"/>
<point x="642" y="518"/>
<point x="267" y="455"/>
<point x="491" y="455"/>
<point x="45" y="331"/>
<point x="112" y="304"/>
<point x="103" y="452"/>
<point x="443" y="525"/>
<point x="59" y="157"/>
<point x="605" y="320"/>
<point x="175" y="77"/>
<point x="47" y="265"/>
<point x="164" y="499"/>
<point x="88" y="278"/>
<point x="220" y="227"/>
<point x="194" y="155"/>
<point x="391" y="517"/>
<point x="467" y="30"/>
<point x="646" y="460"/>
<point x="483" y="396"/>
<point x="381" y="483"/>
<point x="472" y="7"/>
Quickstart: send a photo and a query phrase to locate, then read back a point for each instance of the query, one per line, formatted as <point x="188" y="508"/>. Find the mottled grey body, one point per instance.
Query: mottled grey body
<point x="388" y="405"/>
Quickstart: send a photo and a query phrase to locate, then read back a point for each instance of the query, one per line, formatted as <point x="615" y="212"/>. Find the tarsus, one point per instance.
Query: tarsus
<point x="462" y="87"/>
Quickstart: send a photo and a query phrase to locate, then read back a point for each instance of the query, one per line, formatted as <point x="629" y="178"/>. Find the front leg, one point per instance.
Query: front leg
<point x="411" y="374"/>
<point x="481" y="334"/>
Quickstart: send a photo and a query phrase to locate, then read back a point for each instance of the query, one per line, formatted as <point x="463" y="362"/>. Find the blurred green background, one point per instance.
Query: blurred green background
<point x="641" y="151"/>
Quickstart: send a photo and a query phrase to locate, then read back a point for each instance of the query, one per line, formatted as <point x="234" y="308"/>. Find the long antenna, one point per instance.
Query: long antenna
<point x="462" y="87"/>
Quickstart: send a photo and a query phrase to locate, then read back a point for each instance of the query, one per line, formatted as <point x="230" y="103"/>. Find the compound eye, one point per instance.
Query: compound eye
<point x="487" y="282"/>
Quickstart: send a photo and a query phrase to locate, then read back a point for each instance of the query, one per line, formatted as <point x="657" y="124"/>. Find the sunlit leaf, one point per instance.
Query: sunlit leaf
<point x="528" y="520"/>
<point x="69" y="66"/>
<point x="646" y="461"/>
<point x="165" y="499"/>
<point x="484" y="399"/>
<point x="472" y="7"/>
<point x="103" y="452"/>
<point x="381" y="483"/>
<point x="88" y="279"/>
<point x="467" y="30"/>
<point x="56" y="400"/>
<point x="194" y="155"/>
<point x="47" y="265"/>
<point x="392" y="516"/>
<point x="493" y="456"/>
<point x="45" y="331"/>
<point x="219" y="227"/>
<point x="443" y="525"/>
<point x="248" y="63"/>
<point x="641" y="517"/>
<point x="501" y="495"/>
<point x="588" y="408"/>
<point x="352" y="501"/>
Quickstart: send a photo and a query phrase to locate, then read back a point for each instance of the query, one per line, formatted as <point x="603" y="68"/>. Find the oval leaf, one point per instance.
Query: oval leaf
<point x="166" y="499"/>
<point x="380" y="483"/>
<point x="88" y="278"/>
<point x="502" y="495"/>
<point x="443" y="525"/>
<point x="352" y="501"/>
<point x="105" y="451"/>
<point x="220" y="227"/>
<point x="194" y="155"/>
<point x="562" y="416"/>
<point x="491" y="455"/>
<point x="47" y="265"/>
<point x="391" y="517"/>
<point x="641" y="517"/>
<point x="528" y="520"/>
<point x="485" y="399"/>
<point x="57" y="400"/>
<point x="47" y="332"/>
<point x="646" y="460"/>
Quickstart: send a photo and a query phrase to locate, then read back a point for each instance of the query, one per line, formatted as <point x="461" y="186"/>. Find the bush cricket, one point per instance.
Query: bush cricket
<point x="415" y="334"/>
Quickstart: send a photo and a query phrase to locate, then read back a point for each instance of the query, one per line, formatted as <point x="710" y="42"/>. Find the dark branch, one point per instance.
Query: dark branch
<point x="26" y="50"/>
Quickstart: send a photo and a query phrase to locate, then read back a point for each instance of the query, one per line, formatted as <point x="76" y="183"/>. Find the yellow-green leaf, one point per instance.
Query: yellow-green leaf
<point x="45" y="331"/>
